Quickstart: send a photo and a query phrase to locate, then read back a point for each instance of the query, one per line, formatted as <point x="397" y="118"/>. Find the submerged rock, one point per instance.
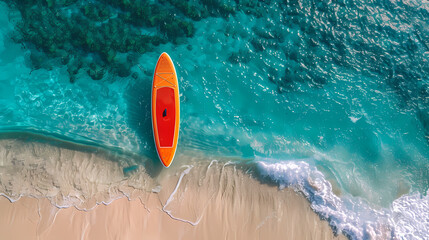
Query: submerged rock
<point x="122" y="69"/>
<point x="242" y="56"/>
<point x="96" y="72"/>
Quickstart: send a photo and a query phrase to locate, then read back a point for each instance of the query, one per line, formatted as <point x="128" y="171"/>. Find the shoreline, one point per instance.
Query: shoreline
<point x="59" y="191"/>
<point x="187" y="206"/>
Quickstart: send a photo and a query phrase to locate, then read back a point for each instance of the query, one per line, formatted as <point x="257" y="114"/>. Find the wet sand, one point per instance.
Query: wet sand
<point x="240" y="208"/>
<point x="196" y="200"/>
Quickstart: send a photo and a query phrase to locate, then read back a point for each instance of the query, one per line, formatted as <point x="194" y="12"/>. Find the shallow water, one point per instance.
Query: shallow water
<point x="340" y="89"/>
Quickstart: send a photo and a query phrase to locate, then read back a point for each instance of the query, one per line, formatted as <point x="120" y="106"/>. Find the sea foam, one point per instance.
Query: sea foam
<point x="406" y="218"/>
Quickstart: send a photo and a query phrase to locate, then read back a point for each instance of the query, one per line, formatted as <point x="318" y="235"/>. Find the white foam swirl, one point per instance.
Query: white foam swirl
<point x="407" y="217"/>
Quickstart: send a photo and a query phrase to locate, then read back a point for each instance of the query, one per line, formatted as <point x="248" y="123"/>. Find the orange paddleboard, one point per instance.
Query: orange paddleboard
<point x="165" y="109"/>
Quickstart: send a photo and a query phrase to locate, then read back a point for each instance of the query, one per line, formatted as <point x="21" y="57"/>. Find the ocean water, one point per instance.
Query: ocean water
<point x="330" y="98"/>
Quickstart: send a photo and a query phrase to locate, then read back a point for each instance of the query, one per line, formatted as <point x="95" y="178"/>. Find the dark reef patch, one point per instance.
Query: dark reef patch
<point x="91" y="35"/>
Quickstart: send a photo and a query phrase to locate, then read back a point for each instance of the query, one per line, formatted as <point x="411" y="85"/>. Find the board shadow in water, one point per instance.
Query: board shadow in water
<point x="139" y="115"/>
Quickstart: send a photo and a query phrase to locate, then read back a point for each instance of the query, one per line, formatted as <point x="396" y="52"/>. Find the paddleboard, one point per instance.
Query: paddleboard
<point x="165" y="109"/>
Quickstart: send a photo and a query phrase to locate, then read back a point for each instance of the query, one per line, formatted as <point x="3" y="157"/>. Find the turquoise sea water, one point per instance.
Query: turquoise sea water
<point x="318" y="90"/>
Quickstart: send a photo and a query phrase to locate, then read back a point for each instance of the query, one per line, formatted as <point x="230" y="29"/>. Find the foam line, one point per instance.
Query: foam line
<point x="9" y="198"/>
<point x="186" y="171"/>
<point x="211" y="163"/>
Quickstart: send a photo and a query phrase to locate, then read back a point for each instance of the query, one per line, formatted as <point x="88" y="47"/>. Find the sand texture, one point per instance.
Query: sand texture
<point x="238" y="208"/>
<point x="73" y="194"/>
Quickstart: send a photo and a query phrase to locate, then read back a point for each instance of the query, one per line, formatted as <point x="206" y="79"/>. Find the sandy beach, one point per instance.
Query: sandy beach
<point x="196" y="200"/>
<point x="264" y="212"/>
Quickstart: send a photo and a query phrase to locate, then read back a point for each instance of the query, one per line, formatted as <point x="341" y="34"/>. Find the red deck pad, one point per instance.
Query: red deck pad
<point x="165" y="116"/>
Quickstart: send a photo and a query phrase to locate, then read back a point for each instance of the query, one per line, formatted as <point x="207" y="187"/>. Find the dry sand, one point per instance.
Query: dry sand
<point x="201" y="200"/>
